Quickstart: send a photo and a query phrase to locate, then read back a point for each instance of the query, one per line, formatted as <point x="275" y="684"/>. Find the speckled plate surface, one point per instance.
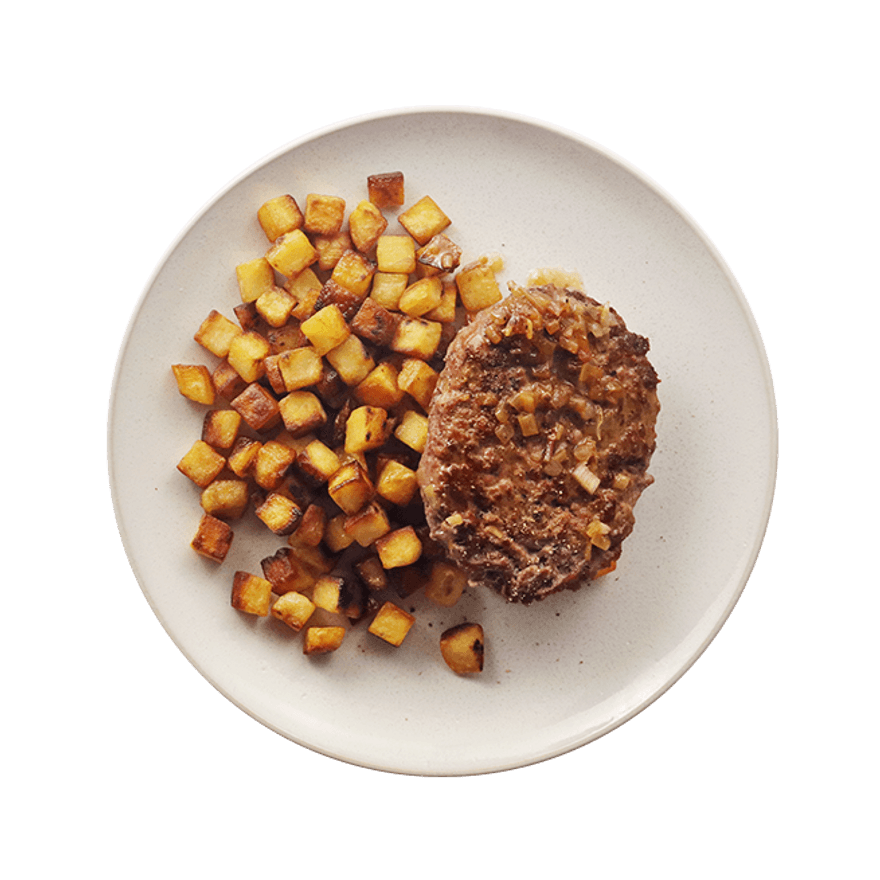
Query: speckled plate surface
<point x="558" y="674"/>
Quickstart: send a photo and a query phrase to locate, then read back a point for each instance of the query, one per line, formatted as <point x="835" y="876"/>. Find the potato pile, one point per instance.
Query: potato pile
<point x="318" y="412"/>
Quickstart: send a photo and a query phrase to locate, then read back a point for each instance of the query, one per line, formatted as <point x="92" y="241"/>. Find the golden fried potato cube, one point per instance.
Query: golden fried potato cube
<point x="257" y="406"/>
<point x="396" y="254"/>
<point x="413" y="430"/>
<point x="226" y="499"/>
<point x="333" y="293"/>
<point x="286" y="572"/>
<point x="354" y="272"/>
<point x="397" y="483"/>
<point x="279" y="215"/>
<point x="323" y="214"/>
<point x="216" y="332"/>
<point x="374" y="323"/>
<point x="463" y="648"/>
<point x="292" y="253"/>
<point x="366" y="224"/>
<point x="440" y="254"/>
<point x="366" y="428"/>
<point x="392" y="624"/>
<point x="399" y="548"/>
<point x="380" y="387"/>
<point x="301" y="412"/>
<point x="194" y="382"/>
<point x="424" y="220"/>
<point x="312" y="526"/>
<point x="243" y="456"/>
<point x="418" y="379"/>
<point x="246" y="353"/>
<point x="388" y="287"/>
<point x="274" y="306"/>
<point x="386" y="190"/>
<point x="478" y="286"/>
<point x="330" y="248"/>
<point x="201" y="464"/>
<point x="300" y="367"/>
<point x="371" y="573"/>
<point x="254" y="278"/>
<point x="350" y="360"/>
<point x="272" y="374"/>
<point x="318" y="461"/>
<point x="339" y="596"/>
<point x="445" y="584"/>
<point x="417" y="337"/>
<point x="280" y="514"/>
<point x="326" y="329"/>
<point x="272" y="462"/>
<point x="323" y="639"/>
<point x="300" y="284"/>
<point x="335" y="536"/>
<point x="227" y="383"/>
<point x="213" y="538"/>
<point x="445" y="311"/>
<point x="220" y="428"/>
<point x="421" y="296"/>
<point x="294" y="609"/>
<point x="368" y="524"/>
<point x="251" y="594"/>
<point x="350" y="487"/>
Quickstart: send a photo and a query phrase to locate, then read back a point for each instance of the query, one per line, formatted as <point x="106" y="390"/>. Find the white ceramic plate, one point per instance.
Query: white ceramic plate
<point x="558" y="674"/>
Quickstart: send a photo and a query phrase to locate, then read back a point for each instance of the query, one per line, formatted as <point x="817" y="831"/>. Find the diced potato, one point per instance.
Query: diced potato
<point x="194" y="382"/>
<point x="312" y="526"/>
<point x="274" y="306"/>
<point x="254" y="278"/>
<point x="446" y="583"/>
<point x="220" y="428"/>
<point x="478" y="286"/>
<point x="440" y="254"/>
<point x="216" y="332"/>
<point x="374" y="322"/>
<point x="323" y="639"/>
<point x="272" y="462"/>
<point x="312" y="558"/>
<point x="350" y="487"/>
<point x="413" y="430"/>
<point x="410" y="580"/>
<point x="273" y="375"/>
<point x="335" y="536"/>
<point x="301" y="284"/>
<point x="294" y="609"/>
<point x="445" y="312"/>
<point x="257" y="407"/>
<point x="226" y="381"/>
<point x="330" y="248"/>
<point x="371" y="573"/>
<point x="424" y="220"/>
<point x="247" y="316"/>
<point x="292" y="253"/>
<point x="388" y="287"/>
<point x="366" y="428"/>
<point x="397" y="483"/>
<point x="302" y="412"/>
<point x="366" y="224"/>
<point x="380" y="387"/>
<point x="318" y="461"/>
<point x="396" y="254"/>
<point x="333" y="293"/>
<point x="287" y="337"/>
<point x="226" y="499"/>
<point x="339" y="596"/>
<point x="386" y="190"/>
<point x="418" y="379"/>
<point x="463" y="648"/>
<point x="368" y="524"/>
<point x="392" y="624"/>
<point x="326" y="329"/>
<point x="246" y="353"/>
<point x="251" y="594"/>
<point x="350" y="360"/>
<point x="286" y="572"/>
<point x="279" y="215"/>
<point x="243" y="456"/>
<point x="300" y="367"/>
<point x="213" y="538"/>
<point x="201" y="464"/>
<point x="399" y="548"/>
<point x="421" y="296"/>
<point x="417" y="337"/>
<point x="323" y="214"/>
<point x="280" y="513"/>
<point x="354" y="272"/>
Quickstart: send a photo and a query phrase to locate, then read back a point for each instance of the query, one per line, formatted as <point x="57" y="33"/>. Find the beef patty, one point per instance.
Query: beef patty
<point x="540" y="433"/>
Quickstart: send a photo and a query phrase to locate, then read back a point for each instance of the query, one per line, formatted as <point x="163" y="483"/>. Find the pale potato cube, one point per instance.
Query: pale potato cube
<point x="413" y="430"/>
<point x="254" y="278"/>
<point x="251" y="594"/>
<point x="227" y="383"/>
<point x="226" y="499"/>
<point x="391" y="624"/>
<point x="301" y="284"/>
<point x="294" y="609"/>
<point x="388" y="287"/>
<point x="424" y="220"/>
<point x="445" y="584"/>
<point x="246" y="353"/>
<point x="279" y="215"/>
<point x="326" y="329"/>
<point x="396" y="254"/>
<point x="350" y="360"/>
<point x="368" y="524"/>
<point x="478" y="286"/>
<point x="380" y="387"/>
<point x="418" y="379"/>
<point x="399" y="548"/>
<point x="323" y="639"/>
<point x="366" y="428"/>
<point x="463" y="648"/>
<point x="274" y="306"/>
<point x="292" y="253"/>
<point x="201" y="464"/>
<point x="300" y="367"/>
<point x="350" y="487"/>
<point x="366" y="224"/>
<point x="417" y="337"/>
<point x="445" y="311"/>
<point x="386" y="190"/>
<point x="216" y="333"/>
<point x="422" y="296"/>
<point x="194" y="382"/>
<point x="397" y="483"/>
<point x="301" y="412"/>
<point x="213" y="538"/>
<point x="324" y="214"/>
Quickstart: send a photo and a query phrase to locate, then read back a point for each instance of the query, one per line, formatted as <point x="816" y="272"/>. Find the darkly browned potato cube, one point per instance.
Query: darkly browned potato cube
<point x="194" y="382"/>
<point x="386" y="190"/>
<point x="213" y="538"/>
<point x="374" y="323"/>
<point x="371" y="573"/>
<point x="339" y="596"/>
<point x="286" y="572"/>
<point x="257" y="407"/>
<point x="463" y="648"/>
<point x="323" y="639"/>
<point x="226" y="381"/>
<point x="251" y="594"/>
<point x="391" y="624"/>
<point x="333" y="293"/>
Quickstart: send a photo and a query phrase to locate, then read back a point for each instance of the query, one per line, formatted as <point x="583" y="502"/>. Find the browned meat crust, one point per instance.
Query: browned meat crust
<point x="541" y="430"/>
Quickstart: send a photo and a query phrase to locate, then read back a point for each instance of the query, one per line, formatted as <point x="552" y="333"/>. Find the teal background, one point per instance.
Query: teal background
<point x="120" y="120"/>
